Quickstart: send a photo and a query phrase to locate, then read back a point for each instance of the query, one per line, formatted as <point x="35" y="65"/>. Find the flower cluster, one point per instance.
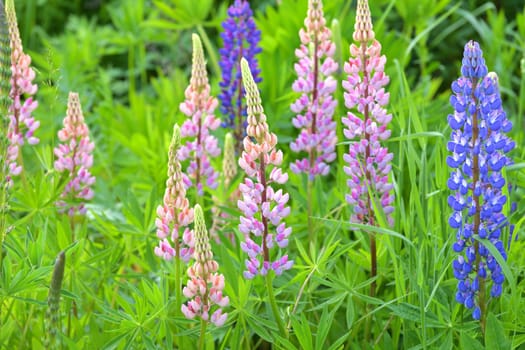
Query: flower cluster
<point x="174" y="214"/>
<point x="205" y="285"/>
<point x="199" y="106"/>
<point x="315" y="107"/>
<point x="478" y="144"/>
<point x="22" y="125"/>
<point x="368" y="162"/>
<point x="261" y="205"/>
<point x="74" y="156"/>
<point x="241" y="39"/>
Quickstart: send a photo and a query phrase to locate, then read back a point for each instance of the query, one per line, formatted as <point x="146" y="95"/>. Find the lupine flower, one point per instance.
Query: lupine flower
<point x="315" y="107"/>
<point x="199" y="106"/>
<point x="368" y="161"/>
<point x="263" y="208"/>
<point x="174" y="214"/>
<point x="52" y="324"/>
<point x="22" y="125"/>
<point x="205" y="286"/>
<point x="74" y="157"/>
<point x="478" y="144"/>
<point x="241" y="39"/>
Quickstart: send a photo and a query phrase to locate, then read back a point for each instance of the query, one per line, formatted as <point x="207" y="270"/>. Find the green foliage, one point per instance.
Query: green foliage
<point x="130" y="63"/>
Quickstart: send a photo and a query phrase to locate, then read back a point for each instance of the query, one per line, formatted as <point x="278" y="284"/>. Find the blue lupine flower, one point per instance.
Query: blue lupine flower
<point x="478" y="147"/>
<point x="241" y="39"/>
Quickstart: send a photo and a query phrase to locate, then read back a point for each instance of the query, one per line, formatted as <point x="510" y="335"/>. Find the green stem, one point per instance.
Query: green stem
<point x="309" y="199"/>
<point x="202" y="338"/>
<point x="178" y="287"/>
<point x="273" y="304"/>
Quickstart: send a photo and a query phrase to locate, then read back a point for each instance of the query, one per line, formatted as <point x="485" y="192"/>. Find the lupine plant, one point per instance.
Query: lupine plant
<point x="22" y="125"/>
<point x="205" y="286"/>
<point x="368" y="162"/>
<point x="262" y="207"/>
<point x="241" y="39"/>
<point x="144" y="274"/>
<point x="74" y="158"/>
<point x="479" y="145"/>
<point x="316" y="105"/>
<point x="199" y="106"/>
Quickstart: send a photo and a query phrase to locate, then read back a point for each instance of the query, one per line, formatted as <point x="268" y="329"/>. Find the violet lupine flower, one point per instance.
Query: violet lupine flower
<point x="479" y="145"/>
<point x="174" y="214"/>
<point x="241" y="39"/>
<point x="263" y="208"/>
<point x="199" y="106"/>
<point x="368" y="161"/>
<point x="205" y="286"/>
<point x="22" y="125"/>
<point x="75" y="158"/>
<point x="315" y="107"/>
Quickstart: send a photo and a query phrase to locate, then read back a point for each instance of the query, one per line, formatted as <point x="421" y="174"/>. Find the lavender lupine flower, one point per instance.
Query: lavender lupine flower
<point x="205" y="286"/>
<point x="199" y="106"/>
<point x="174" y="214"/>
<point x="478" y="144"/>
<point x="74" y="157"/>
<point x="262" y="206"/>
<point x="368" y="161"/>
<point x="241" y="39"/>
<point x="22" y="125"/>
<point x="315" y="107"/>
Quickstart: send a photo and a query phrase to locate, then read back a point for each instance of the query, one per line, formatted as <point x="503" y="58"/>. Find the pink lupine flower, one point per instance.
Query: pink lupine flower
<point x="315" y="107"/>
<point x="368" y="161"/>
<point x="174" y="214"/>
<point x="199" y="106"/>
<point x="22" y="125"/>
<point x="74" y="157"/>
<point x="262" y="206"/>
<point x="205" y="286"/>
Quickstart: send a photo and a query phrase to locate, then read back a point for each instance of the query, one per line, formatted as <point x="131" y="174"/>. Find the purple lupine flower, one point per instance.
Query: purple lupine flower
<point x="75" y="158"/>
<point x="174" y="214"/>
<point x="205" y="286"/>
<point x="199" y="106"/>
<point x="263" y="208"/>
<point x="478" y="144"/>
<point x="315" y="107"/>
<point x="368" y="161"/>
<point x="241" y="39"/>
<point x="22" y="125"/>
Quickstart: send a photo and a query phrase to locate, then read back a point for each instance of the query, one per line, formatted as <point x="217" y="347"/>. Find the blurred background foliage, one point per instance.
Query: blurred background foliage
<point x="130" y="62"/>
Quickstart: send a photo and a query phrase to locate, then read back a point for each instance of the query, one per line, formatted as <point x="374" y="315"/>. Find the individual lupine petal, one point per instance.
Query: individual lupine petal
<point x="205" y="286"/>
<point x="315" y="106"/>
<point x="22" y="125"/>
<point x="174" y="214"/>
<point x="478" y="149"/>
<point x="240" y="38"/>
<point x="262" y="207"/>
<point x="74" y="157"/>
<point x="368" y="161"/>
<point x="199" y="106"/>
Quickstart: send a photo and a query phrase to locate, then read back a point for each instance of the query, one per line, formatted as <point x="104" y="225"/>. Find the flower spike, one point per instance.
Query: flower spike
<point x="478" y="145"/>
<point x="75" y="158"/>
<point x="262" y="206"/>
<point x="199" y="106"/>
<point x="316" y="105"/>
<point x="205" y="285"/>
<point x="174" y="214"/>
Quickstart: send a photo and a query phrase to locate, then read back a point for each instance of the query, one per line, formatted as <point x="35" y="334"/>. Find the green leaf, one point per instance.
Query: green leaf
<point x="495" y="338"/>
<point x="468" y="343"/>
<point x="303" y="332"/>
